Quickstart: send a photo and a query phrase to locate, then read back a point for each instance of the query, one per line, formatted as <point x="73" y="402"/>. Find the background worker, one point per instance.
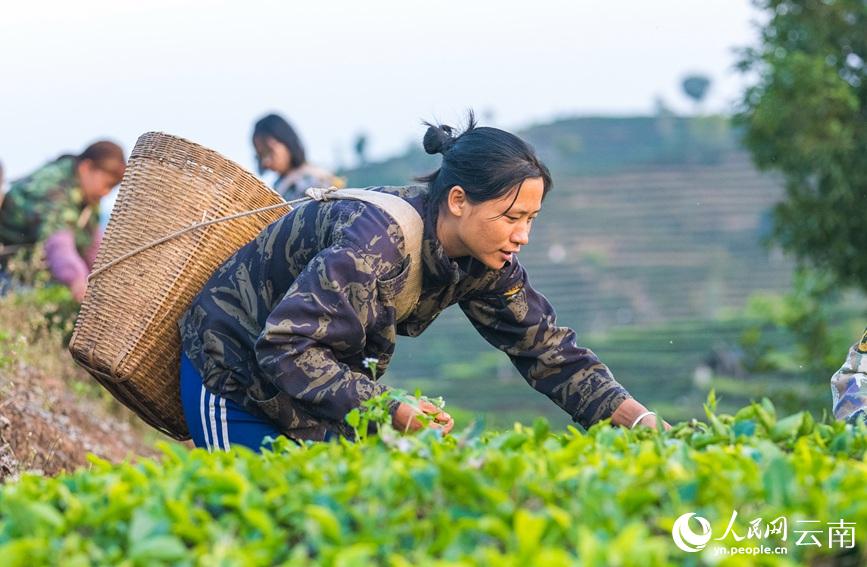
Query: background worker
<point x="279" y="149"/>
<point x="57" y="208"/>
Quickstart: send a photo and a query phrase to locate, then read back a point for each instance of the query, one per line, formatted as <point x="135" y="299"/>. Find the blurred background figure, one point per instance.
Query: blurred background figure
<point x="2" y="183"/>
<point x="279" y="149"/>
<point x="849" y="385"/>
<point x="49" y="220"/>
<point x="4" y="280"/>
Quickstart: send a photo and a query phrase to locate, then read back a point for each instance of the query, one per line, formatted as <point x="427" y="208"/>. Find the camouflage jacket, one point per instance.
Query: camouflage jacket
<point x="849" y="384"/>
<point x="44" y="203"/>
<point x="284" y="325"/>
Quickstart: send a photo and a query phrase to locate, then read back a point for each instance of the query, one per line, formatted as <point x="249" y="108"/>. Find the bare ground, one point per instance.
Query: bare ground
<point x="47" y="427"/>
<point x="52" y="413"/>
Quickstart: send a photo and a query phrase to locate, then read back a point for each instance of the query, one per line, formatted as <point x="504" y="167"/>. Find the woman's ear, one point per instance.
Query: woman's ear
<point x="457" y="200"/>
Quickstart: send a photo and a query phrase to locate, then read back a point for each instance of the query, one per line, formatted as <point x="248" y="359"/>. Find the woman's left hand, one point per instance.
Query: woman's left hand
<point x="630" y="410"/>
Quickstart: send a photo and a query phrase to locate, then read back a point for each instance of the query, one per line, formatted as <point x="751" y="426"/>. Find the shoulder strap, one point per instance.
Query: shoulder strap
<point x="412" y="227"/>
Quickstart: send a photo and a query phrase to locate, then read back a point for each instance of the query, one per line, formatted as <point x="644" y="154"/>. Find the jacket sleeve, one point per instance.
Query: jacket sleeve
<point x="849" y="384"/>
<point x="322" y="319"/>
<point x="518" y="320"/>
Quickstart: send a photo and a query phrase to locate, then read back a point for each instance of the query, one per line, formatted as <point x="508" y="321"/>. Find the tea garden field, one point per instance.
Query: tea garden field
<point x="774" y="490"/>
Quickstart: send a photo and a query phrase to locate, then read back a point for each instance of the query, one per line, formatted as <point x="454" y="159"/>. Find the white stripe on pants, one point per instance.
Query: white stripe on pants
<point x="225" y="423"/>
<point x="211" y="419"/>
<point x="202" y="412"/>
<point x="212" y="414"/>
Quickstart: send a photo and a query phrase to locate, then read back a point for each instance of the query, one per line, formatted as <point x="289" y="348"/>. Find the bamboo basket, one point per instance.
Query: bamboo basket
<point x="146" y="274"/>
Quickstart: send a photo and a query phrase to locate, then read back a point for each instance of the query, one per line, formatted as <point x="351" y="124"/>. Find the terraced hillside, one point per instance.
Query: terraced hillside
<point x="658" y="244"/>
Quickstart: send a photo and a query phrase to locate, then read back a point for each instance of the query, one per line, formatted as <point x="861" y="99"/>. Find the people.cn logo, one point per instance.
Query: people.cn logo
<point x="685" y="538"/>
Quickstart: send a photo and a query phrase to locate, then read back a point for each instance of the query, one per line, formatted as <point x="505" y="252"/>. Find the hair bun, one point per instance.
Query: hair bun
<point x="438" y="139"/>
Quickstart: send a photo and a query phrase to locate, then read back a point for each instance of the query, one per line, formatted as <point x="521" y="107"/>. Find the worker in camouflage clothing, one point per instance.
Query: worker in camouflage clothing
<point x="56" y="208"/>
<point x="849" y="384"/>
<point x="276" y="341"/>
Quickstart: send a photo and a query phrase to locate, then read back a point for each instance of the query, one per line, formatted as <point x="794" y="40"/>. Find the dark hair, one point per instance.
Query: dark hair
<point x="275" y="126"/>
<point x="486" y="162"/>
<point x="105" y="155"/>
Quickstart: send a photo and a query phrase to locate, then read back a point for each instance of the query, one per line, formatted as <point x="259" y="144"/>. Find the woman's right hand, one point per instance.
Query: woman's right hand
<point x="651" y="420"/>
<point x="405" y="419"/>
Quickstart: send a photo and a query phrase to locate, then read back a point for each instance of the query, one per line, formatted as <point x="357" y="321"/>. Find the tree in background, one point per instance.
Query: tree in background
<point x="696" y="87"/>
<point x="807" y="313"/>
<point x="360" y="147"/>
<point x="806" y="117"/>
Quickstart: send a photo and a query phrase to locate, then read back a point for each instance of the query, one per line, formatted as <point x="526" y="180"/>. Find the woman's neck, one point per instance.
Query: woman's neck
<point x="446" y="232"/>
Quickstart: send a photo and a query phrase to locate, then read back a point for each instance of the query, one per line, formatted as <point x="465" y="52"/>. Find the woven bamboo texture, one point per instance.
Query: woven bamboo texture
<point x="126" y="334"/>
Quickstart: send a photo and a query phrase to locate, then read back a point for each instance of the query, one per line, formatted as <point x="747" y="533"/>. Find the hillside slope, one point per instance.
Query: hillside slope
<point x="52" y="414"/>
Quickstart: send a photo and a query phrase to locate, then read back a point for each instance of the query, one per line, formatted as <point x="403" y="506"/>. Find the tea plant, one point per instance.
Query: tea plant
<point x="526" y="496"/>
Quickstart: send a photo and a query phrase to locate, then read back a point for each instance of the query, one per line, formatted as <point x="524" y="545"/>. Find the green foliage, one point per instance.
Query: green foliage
<point x="525" y="496"/>
<point x="805" y="117"/>
<point x="806" y="315"/>
<point x="377" y="411"/>
<point x="51" y="309"/>
<point x="7" y="350"/>
<point x="27" y="267"/>
<point x="33" y="318"/>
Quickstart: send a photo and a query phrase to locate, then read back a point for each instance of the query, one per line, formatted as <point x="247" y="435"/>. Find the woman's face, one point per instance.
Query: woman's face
<point x="272" y="155"/>
<point x="97" y="182"/>
<point x="492" y="232"/>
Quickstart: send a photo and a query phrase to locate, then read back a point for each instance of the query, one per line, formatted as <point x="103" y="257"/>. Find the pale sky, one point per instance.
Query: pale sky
<point x="74" y="72"/>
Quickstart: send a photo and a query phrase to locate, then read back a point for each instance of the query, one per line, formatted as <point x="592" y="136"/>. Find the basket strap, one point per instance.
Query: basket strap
<point x="412" y="227"/>
<point x="191" y="228"/>
<point x="404" y="214"/>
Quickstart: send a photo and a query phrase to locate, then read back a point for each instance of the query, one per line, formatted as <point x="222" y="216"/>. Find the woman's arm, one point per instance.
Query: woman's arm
<point x="518" y="320"/>
<point x="632" y="413"/>
<point x="323" y="318"/>
<point x="65" y="263"/>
